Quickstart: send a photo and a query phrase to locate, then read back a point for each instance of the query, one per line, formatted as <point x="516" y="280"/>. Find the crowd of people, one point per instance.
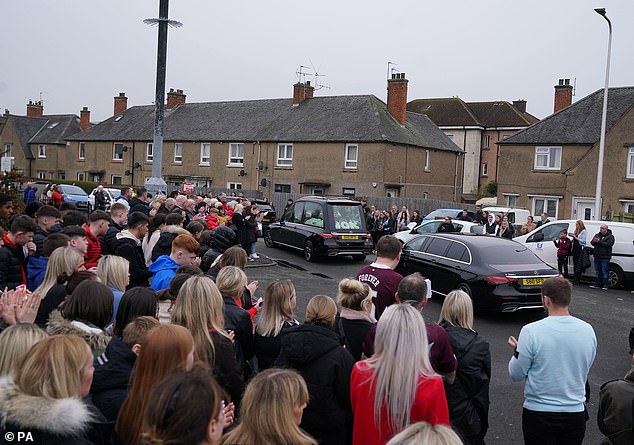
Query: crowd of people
<point x="141" y="331"/>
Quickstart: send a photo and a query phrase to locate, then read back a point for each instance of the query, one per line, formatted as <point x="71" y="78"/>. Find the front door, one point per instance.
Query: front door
<point x="583" y="209"/>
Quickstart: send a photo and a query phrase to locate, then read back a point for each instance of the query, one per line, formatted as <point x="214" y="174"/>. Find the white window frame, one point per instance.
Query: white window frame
<point x="8" y="151"/>
<point x="236" y="154"/>
<point x="427" y="161"/>
<point x="628" y="205"/>
<point x="114" y="151"/>
<point x="349" y="191"/>
<point x="116" y="176"/>
<point x="279" y="186"/>
<point x="149" y="152"/>
<point x="425" y="195"/>
<point x="234" y="186"/>
<point x="41" y="151"/>
<point x="283" y="159"/>
<point x="350" y="163"/>
<point x="178" y="153"/>
<point x="81" y="176"/>
<point x="485" y="169"/>
<point x="546" y="200"/>
<point x="41" y="175"/>
<point x="630" y="163"/>
<point x="511" y="200"/>
<point x="81" y="151"/>
<point x="547" y="158"/>
<point x="487" y="141"/>
<point x="205" y="160"/>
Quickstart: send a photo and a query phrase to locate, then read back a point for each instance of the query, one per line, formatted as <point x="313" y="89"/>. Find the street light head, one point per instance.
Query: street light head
<point x="600" y="11"/>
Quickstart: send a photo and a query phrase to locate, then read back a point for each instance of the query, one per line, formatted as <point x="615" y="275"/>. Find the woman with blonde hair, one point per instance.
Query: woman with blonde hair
<point x="579" y="242"/>
<point x="166" y="349"/>
<point x="54" y="376"/>
<point x="276" y="315"/>
<point x="355" y="319"/>
<point x="468" y="396"/>
<point x="426" y="433"/>
<point x="272" y="409"/>
<point x="15" y="341"/>
<point x="199" y="308"/>
<point x="62" y="263"/>
<point x="113" y="270"/>
<point x="316" y="351"/>
<point x="397" y="385"/>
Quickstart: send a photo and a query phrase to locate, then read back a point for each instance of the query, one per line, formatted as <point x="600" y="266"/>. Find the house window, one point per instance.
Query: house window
<point x="546" y="205"/>
<point x="236" y="154"/>
<point x="487" y="141"/>
<point x="41" y="175"/>
<point x="485" y="169"/>
<point x="178" y="152"/>
<point x="205" y="153"/>
<point x="318" y="191"/>
<point x="427" y="161"/>
<point x="61" y="175"/>
<point x="547" y="158"/>
<point x="282" y="188"/>
<point x="284" y="155"/>
<point x="630" y="162"/>
<point x="628" y="206"/>
<point x="391" y="193"/>
<point x="82" y="151"/>
<point x="352" y="156"/>
<point x="117" y="152"/>
<point x="149" y="152"/>
<point x="41" y="151"/>
<point x="8" y="151"/>
<point x="234" y="185"/>
<point x="115" y="180"/>
<point x="425" y="195"/>
<point x="81" y="176"/>
<point x="511" y="201"/>
<point x="347" y="191"/>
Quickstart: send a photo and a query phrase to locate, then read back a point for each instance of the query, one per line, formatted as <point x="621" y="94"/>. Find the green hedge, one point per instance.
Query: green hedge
<point x="86" y="185"/>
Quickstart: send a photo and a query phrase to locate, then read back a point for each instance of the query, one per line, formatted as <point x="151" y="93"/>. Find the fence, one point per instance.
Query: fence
<point x="620" y="217"/>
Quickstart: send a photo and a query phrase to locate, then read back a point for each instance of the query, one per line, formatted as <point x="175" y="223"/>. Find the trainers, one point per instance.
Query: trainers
<point x="604" y="288"/>
<point x="255" y="256"/>
<point x="592" y="286"/>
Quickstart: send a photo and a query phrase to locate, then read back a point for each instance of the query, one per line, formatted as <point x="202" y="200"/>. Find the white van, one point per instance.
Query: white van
<point x="517" y="217"/>
<point x="540" y="241"/>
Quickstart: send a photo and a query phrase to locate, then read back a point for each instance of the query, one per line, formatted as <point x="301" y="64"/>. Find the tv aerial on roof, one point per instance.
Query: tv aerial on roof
<point x="318" y="85"/>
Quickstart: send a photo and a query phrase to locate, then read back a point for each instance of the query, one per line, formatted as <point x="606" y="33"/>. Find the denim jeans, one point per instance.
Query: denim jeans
<point x="602" y="272"/>
<point x="252" y="248"/>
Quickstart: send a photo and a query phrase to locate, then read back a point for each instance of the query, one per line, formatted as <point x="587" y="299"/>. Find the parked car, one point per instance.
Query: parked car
<point x="441" y="213"/>
<point x="111" y="195"/>
<point x="498" y="273"/>
<point x="77" y="196"/>
<point x="517" y="217"/>
<point x="432" y="227"/>
<point x="540" y="242"/>
<point x="266" y="216"/>
<point x="322" y="227"/>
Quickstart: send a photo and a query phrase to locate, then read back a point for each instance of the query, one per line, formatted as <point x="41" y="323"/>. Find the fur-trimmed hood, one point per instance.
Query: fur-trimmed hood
<point x="96" y="338"/>
<point x="67" y="417"/>
<point x="174" y="229"/>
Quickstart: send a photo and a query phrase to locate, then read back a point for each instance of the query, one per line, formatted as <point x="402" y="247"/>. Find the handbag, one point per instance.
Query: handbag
<point x="585" y="258"/>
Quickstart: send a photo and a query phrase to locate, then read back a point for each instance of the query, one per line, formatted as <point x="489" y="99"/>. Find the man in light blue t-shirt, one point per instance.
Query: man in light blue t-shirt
<point x="554" y="356"/>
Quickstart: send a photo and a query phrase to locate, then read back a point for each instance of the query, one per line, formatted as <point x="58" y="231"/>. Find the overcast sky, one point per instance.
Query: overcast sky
<point x="83" y="53"/>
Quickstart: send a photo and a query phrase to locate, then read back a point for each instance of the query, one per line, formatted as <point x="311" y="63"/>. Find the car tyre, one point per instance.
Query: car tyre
<point x="465" y="288"/>
<point x="309" y="251"/>
<point x="615" y="277"/>
<point x="268" y="241"/>
<point x="358" y="258"/>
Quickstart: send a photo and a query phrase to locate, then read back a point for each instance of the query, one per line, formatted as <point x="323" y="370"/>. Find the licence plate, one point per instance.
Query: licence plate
<point x="533" y="281"/>
<point x="349" y="236"/>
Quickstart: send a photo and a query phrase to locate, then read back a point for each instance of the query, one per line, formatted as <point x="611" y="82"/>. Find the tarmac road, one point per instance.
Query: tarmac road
<point x="611" y="313"/>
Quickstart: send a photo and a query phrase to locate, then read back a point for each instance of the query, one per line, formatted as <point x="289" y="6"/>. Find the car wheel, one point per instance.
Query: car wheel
<point x="615" y="276"/>
<point x="309" y="251"/>
<point x="465" y="288"/>
<point x="358" y="257"/>
<point x="268" y="241"/>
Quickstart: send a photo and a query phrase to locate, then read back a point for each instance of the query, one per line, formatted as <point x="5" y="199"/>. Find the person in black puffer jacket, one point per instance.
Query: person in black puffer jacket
<point x="128" y="246"/>
<point x="173" y="228"/>
<point x="118" y="220"/>
<point x="222" y="237"/>
<point x="13" y="261"/>
<point x="468" y="396"/>
<point x="317" y="353"/>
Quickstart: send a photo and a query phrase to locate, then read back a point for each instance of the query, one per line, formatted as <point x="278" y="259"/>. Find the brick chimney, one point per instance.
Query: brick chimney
<point x="84" y="119"/>
<point x="120" y="103"/>
<point x="175" y="97"/>
<point x="34" y="109"/>
<point x="302" y="91"/>
<point x="520" y="105"/>
<point x="397" y="97"/>
<point x="563" y="95"/>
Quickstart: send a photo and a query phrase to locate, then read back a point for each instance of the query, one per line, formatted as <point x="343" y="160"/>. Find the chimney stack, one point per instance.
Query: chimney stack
<point x="397" y="97"/>
<point x="175" y="98"/>
<point x="520" y="105"/>
<point x="34" y="109"/>
<point x="120" y="103"/>
<point x="563" y="95"/>
<point x="302" y="91"/>
<point x="84" y="119"/>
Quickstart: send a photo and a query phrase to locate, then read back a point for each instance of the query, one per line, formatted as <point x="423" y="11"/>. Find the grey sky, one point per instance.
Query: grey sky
<point x="83" y="53"/>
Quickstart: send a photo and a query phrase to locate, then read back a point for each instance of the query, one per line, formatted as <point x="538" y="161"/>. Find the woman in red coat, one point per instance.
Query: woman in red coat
<point x="397" y="386"/>
<point x="57" y="197"/>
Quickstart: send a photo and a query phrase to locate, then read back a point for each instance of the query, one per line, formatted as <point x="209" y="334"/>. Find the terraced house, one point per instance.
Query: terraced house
<point x="350" y="145"/>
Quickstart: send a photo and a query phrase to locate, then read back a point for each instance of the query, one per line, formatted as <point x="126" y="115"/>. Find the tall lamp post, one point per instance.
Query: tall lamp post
<point x="597" y="198"/>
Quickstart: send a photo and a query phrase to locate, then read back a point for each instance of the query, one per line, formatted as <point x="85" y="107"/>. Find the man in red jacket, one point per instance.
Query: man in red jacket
<point x="97" y="226"/>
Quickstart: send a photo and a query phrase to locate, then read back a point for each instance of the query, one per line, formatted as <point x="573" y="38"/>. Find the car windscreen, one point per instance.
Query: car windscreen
<point x="440" y="214"/>
<point x="73" y="190"/>
<point x="347" y="217"/>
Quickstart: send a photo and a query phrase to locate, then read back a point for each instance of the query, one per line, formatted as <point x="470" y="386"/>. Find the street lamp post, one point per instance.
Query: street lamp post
<point x="597" y="198"/>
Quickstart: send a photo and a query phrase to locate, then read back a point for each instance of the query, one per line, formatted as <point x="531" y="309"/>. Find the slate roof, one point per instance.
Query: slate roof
<point x="453" y="112"/>
<point x="318" y="119"/>
<point x="35" y="130"/>
<point x="578" y="124"/>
